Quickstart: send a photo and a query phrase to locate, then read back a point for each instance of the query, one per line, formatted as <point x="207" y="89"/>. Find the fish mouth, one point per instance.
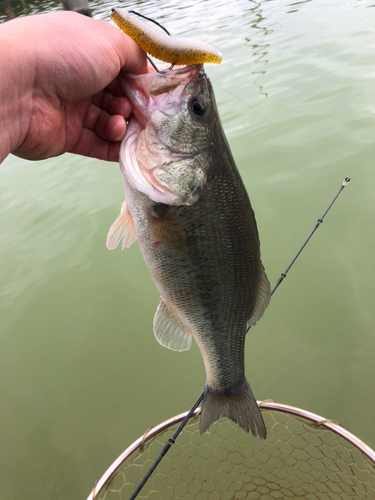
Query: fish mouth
<point x="144" y="156"/>
<point x="144" y="90"/>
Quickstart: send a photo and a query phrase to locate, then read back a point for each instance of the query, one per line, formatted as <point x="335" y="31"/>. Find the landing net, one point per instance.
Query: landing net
<point x="304" y="457"/>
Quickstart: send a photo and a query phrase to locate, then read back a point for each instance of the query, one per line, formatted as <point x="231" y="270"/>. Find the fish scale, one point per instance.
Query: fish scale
<point x="202" y="249"/>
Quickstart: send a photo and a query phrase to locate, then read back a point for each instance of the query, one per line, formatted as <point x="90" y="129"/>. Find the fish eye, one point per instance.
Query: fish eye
<point x="198" y="107"/>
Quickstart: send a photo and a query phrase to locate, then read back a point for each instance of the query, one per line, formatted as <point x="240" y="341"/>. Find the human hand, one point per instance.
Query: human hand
<point x="61" y="92"/>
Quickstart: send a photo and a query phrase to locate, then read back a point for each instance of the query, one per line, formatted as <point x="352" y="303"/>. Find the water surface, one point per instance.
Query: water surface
<point x="81" y="375"/>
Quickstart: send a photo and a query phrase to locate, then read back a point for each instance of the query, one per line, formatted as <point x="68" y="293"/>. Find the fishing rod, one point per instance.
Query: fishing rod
<point x="283" y="275"/>
<point x="319" y="221"/>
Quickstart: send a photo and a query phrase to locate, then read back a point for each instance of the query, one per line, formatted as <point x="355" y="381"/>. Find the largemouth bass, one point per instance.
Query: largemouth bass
<point x="188" y="208"/>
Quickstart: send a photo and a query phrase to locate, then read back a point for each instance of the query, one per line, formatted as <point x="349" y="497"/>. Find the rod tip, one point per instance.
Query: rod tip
<point x="346" y="181"/>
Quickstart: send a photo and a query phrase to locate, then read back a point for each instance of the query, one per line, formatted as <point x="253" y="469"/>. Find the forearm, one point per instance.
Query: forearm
<point x="16" y="83"/>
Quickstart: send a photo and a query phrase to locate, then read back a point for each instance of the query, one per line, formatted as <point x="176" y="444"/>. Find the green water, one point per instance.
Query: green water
<point x="81" y="375"/>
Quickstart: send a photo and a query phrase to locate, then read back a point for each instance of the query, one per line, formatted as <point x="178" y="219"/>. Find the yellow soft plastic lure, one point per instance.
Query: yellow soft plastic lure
<point x="170" y="49"/>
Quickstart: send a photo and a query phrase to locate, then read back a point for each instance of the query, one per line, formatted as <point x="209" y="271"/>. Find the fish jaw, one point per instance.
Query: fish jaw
<point x="140" y="177"/>
<point x="165" y="161"/>
<point x="152" y="91"/>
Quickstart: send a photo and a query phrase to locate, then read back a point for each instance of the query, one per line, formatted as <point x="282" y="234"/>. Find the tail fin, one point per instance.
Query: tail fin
<point x="236" y="403"/>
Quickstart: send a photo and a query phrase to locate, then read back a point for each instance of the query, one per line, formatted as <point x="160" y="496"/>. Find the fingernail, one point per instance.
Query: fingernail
<point x="120" y="137"/>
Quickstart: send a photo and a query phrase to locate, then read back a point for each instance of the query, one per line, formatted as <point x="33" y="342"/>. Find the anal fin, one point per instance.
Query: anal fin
<point x="169" y="331"/>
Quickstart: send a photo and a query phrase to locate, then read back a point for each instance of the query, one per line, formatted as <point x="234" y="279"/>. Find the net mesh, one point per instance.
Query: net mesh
<point x="299" y="460"/>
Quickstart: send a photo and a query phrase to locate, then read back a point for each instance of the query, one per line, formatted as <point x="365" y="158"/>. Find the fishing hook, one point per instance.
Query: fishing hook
<point x="160" y="26"/>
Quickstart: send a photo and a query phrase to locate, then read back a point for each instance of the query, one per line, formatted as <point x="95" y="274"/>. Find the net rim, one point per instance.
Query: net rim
<point x="266" y="405"/>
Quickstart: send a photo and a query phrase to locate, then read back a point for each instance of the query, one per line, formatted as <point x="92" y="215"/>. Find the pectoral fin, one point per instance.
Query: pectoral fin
<point x="169" y="331"/>
<point x="263" y="299"/>
<point x="122" y="229"/>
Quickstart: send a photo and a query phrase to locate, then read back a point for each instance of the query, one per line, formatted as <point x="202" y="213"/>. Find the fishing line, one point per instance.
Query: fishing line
<point x="272" y="123"/>
<point x="160" y="26"/>
<point x="149" y="19"/>
<point x="172" y="440"/>
<point x="226" y="90"/>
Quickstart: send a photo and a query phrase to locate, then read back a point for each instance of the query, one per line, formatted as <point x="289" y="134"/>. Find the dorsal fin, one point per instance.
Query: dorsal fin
<point x="169" y="331"/>
<point x="122" y="229"/>
<point x="263" y="299"/>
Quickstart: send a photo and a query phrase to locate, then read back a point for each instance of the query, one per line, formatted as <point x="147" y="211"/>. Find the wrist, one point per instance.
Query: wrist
<point x="16" y="70"/>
